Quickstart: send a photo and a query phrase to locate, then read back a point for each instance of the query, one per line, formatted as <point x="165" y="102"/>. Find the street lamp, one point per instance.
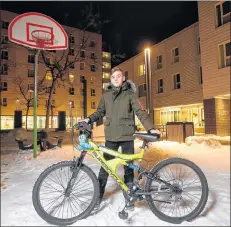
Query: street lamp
<point x="70" y="103"/>
<point x="17" y="104"/>
<point x="148" y="77"/>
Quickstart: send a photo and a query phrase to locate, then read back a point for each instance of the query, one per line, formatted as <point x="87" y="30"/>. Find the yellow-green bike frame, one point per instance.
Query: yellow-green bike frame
<point x="111" y="165"/>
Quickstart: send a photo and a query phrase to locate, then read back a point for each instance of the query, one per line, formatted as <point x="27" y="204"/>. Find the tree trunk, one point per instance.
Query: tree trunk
<point x="49" y="103"/>
<point x="27" y="111"/>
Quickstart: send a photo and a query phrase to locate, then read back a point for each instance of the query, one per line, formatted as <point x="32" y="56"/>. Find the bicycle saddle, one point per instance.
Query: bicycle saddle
<point x="147" y="137"/>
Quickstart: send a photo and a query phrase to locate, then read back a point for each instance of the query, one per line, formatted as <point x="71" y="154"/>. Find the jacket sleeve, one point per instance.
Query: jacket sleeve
<point x="99" y="113"/>
<point x="141" y="113"/>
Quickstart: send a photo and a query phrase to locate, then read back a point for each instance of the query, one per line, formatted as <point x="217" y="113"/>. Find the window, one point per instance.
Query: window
<point x="30" y="87"/>
<point x="4" y="54"/>
<point x="72" y="104"/>
<point x="159" y="62"/>
<point x="82" y="78"/>
<point x="224" y="55"/>
<point x="71" y="78"/>
<point x="176" y="78"/>
<point x="4" y="69"/>
<point x="71" y="91"/>
<point x="3" y="86"/>
<point x="5" y="24"/>
<point x="106" y="55"/>
<point x="142" y="90"/>
<point x="200" y="75"/>
<point x="5" y="39"/>
<point x="31" y="58"/>
<point x="93" y="55"/>
<point x="30" y="73"/>
<point x="160" y="86"/>
<point x="48" y="75"/>
<point x="198" y="45"/>
<point x="4" y="102"/>
<point x="93" y="105"/>
<point x="48" y="60"/>
<point x="72" y="65"/>
<point x="92" y="81"/>
<point x="92" y="92"/>
<point x="175" y="55"/>
<point x="82" y="65"/>
<point x="106" y="65"/>
<point x="106" y="75"/>
<point x="125" y="74"/>
<point x="71" y="39"/>
<point x="223" y="14"/>
<point x="141" y="70"/>
<point x="48" y="90"/>
<point x="82" y="53"/>
<point x="93" y="69"/>
<point x="92" y="43"/>
<point x="71" y="52"/>
<point x="82" y="91"/>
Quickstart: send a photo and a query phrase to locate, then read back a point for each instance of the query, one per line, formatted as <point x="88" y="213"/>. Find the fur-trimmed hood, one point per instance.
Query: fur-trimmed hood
<point x="128" y="84"/>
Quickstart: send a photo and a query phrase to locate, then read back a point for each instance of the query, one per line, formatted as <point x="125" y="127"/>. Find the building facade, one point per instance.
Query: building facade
<point x="18" y="62"/>
<point x="190" y="73"/>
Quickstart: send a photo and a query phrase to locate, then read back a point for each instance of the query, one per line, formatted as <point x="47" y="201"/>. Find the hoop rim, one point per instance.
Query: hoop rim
<point x="43" y="31"/>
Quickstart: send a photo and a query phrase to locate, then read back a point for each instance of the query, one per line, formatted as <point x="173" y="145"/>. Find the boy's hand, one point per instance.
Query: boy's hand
<point x="87" y="120"/>
<point x="156" y="131"/>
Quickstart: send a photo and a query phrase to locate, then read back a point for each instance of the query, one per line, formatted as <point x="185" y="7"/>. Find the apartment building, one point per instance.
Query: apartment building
<point x="18" y="62"/>
<point x="190" y="73"/>
<point x="106" y="58"/>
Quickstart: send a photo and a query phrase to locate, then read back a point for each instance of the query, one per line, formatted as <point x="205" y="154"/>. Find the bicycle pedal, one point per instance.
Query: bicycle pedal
<point x="123" y="215"/>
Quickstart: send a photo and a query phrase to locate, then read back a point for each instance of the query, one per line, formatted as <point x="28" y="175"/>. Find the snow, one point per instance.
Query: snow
<point x="20" y="171"/>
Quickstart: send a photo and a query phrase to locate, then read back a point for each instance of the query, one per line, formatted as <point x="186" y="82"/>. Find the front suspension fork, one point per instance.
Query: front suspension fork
<point x="76" y="168"/>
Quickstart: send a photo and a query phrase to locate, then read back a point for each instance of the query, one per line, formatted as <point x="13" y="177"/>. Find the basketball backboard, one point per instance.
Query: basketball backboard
<point x="39" y="31"/>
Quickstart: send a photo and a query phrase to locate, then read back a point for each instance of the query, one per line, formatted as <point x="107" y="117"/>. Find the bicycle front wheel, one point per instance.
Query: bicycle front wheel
<point x="187" y="196"/>
<point x="57" y="207"/>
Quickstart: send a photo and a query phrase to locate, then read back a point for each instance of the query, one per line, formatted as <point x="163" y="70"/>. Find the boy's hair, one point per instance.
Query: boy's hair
<point x="115" y="69"/>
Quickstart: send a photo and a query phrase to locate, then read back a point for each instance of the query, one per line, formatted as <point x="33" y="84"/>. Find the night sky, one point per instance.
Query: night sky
<point x="132" y="24"/>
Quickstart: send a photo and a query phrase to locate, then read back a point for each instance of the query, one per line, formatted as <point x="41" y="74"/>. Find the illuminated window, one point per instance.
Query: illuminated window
<point x="106" y="75"/>
<point x="106" y="65"/>
<point x="225" y="55"/>
<point x="72" y="104"/>
<point x="92" y="81"/>
<point x="106" y="55"/>
<point x="71" y="78"/>
<point x="223" y="14"/>
<point x="48" y="75"/>
<point x="141" y="70"/>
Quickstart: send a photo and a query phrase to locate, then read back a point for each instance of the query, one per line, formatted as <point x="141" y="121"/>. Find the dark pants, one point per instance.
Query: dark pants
<point x="127" y="148"/>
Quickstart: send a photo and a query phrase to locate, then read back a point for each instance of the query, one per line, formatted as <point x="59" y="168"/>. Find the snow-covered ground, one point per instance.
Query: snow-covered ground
<point x="20" y="171"/>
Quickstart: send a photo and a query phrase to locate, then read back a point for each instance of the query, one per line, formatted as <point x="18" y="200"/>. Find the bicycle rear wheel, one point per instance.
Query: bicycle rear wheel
<point x="188" y="196"/>
<point x="54" y="205"/>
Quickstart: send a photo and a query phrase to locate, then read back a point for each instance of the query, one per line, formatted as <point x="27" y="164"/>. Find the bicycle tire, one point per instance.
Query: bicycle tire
<point x="203" y="200"/>
<point x="59" y="221"/>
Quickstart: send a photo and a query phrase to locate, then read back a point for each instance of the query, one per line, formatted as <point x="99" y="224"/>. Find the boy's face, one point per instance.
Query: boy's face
<point x="117" y="78"/>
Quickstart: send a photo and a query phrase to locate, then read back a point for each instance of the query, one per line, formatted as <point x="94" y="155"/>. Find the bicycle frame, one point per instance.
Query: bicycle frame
<point x="111" y="165"/>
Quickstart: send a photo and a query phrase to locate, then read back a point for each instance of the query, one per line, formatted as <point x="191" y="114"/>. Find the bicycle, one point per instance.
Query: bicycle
<point x="76" y="188"/>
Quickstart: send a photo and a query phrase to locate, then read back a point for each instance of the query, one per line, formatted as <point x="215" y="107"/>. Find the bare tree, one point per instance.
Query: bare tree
<point x="59" y="67"/>
<point x="27" y="95"/>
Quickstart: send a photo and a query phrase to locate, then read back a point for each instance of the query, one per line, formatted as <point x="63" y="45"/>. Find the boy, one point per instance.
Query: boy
<point x="119" y="104"/>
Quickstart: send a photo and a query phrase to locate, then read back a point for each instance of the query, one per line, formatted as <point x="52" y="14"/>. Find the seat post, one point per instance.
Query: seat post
<point x="144" y="144"/>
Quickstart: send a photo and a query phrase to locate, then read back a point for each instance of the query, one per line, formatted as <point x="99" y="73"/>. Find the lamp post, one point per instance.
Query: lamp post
<point x="148" y="77"/>
<point x="17" y="104"/>
<point x="70" y="103"/>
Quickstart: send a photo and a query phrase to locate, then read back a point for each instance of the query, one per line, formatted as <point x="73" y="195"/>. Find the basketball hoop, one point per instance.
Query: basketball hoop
<point x="42" y="38"/>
